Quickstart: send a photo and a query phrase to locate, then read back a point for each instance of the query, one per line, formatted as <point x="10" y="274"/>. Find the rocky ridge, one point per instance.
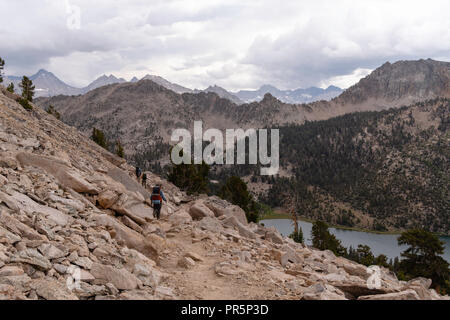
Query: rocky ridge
<point x="74" y="224"/>
<point x="137" y="112"/>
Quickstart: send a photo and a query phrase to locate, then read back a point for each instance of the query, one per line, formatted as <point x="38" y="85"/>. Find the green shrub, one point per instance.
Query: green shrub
<point x="25" y="104"/>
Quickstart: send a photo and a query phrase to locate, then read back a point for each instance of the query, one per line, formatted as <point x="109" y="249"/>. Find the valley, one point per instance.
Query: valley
<point x="370" y="169"/>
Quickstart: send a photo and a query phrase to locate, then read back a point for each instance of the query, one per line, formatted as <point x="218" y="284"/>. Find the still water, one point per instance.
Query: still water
<point x="379" y="243"/>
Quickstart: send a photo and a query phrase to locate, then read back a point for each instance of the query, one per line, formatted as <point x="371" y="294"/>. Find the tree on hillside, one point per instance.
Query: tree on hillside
<point x="192" y="178"/>
<point x="2" y="65"/>
<point x="119" y="149"/>
<point x="382" y="260"/>
<point x="27" y="88"/>
<point x="322" y="239"/>
<point x="365" y="255"/>
<point x="99" y="138"/>
<point x="10" y="87"/>
<point x="297" y="234"/>
<point x="422" y="258"/>
<point x="235" y="190"/>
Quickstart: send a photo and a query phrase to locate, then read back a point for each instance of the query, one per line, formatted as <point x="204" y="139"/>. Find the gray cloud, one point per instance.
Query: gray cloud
<point x="235" y="44"/>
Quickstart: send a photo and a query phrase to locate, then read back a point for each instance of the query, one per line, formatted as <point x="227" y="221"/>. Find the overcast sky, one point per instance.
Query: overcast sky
<point x="236" y="44"/>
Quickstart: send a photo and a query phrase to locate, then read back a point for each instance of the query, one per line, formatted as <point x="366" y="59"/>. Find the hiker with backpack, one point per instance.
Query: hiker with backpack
<point x="144" y="180"/>
<point x="157" y="197"/>
<point x="138" y="173"/>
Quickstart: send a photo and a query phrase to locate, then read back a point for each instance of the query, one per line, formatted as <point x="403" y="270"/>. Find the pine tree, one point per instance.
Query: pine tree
<point x="365" y="255"/>
<point x="119" y="149"/>
<point x="99" y="138"/>
<point x="2" y="65"/>
<point x="382" y="260"/>
<point x="10" y="87"/>
<point x="322" y="239"/>
<point x="423" y="258"/>
<point x="27" y="89"/>
<point x="297" y="235"/>
<point x="235" y="190"/>
<point x="192" y="178"/>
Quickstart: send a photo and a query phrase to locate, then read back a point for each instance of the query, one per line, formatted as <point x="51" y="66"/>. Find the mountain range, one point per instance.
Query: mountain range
<point x="142" y="115"/>
<point x="133" y="109"/>
<point x="48" y="85"/>
<point x="290" y="96"/>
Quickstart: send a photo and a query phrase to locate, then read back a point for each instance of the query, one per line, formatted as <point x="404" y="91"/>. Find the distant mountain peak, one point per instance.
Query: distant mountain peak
<point x="268" y="97"/>
<point x="296" y="96"/>
<point x="268" y="86"/>
<point x="333" y="88"/>
<point x="402" y="82"/>
<point x="43" y="71"/>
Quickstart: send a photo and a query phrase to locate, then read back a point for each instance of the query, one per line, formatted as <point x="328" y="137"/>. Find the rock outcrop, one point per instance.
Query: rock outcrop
<point x="74" y="224"/>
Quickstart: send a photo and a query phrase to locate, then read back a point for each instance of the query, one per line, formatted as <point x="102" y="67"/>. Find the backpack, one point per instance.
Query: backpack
<point x="156" y="195"/>
<point x="144" y="176"/>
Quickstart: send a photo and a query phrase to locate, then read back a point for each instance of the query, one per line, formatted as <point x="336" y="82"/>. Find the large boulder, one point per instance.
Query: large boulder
<point x="134" y="208"/>
<point x="52" y="290"/>
<point x="32" y="257"/>
<point x="19" y="228"/>
<point x="18" y="201"/>
<point x="273" y="235"/>
<point x="120" y="278"/>
<point x="107" y="199"/>
<point x="359" y="288"/>
<point x="322" y="291"/>
<point x="8" y="161"/>
<point x="127" y="236"/>
<point x="8" y="292"/>
<point x="404" y="295"/>
<point x="130" y="184"/>
<point x="51" y="252"/>
<point x="244" y="231"/>
<point x="210" y="224"/>
<point x="8" y="271"/>
<point x="21" y="282"/>
<point x="221" y="207"/>
<point x="3" y="180"/>
<point x="66" y="175"/>
<point x="355" y="269"/>
<point x="9" y="236"/>
<point x="142" y="267"/>
<point x="421" y="287"/>
<point x="199" y="211"/>
<point x="180" y="217"/>
<point x="288" y="255"/>
<point x="69" y="203"/>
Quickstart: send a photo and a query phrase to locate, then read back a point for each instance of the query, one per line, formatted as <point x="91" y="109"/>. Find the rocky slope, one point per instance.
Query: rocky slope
<point x="74" y="224"/>
<point x="401" y="83"/>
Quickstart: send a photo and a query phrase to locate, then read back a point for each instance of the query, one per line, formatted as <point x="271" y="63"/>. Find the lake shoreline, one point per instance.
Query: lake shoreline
<point x="380" y="243"/>
<point x="286" y="216"/>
